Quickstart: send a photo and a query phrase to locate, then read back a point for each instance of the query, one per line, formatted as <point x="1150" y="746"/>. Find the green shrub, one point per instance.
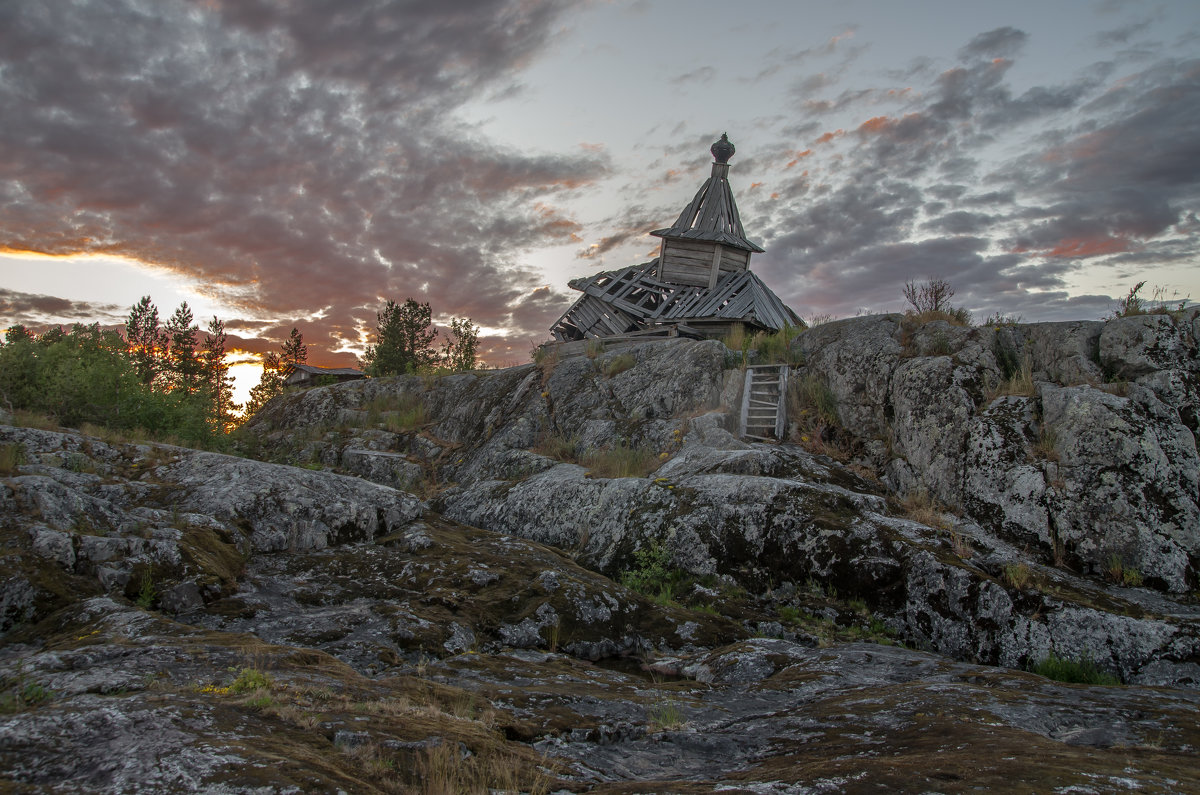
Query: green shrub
<point x="812" y="403"/>
<point x="147" y="594"/>
<point x="930" y="301"/>
<point x="652" y="569"/>
<point x="618" y="364"/>
<point x="1083" y="671"/>
<point x="21" y="693"/>
<point x="775" y="347"/>
<point x="250" y="679"/>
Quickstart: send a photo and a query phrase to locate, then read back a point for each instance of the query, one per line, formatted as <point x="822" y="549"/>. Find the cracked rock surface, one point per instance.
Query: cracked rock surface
<point x="424" y="584"/>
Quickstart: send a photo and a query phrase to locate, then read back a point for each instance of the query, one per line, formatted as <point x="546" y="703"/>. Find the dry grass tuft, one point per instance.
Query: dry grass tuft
<point x="1019" y="383"/>
<point x="618" y="364"/>
<point x="1018" y="575"/>
<point x="922" y="508"/>
<point x="624" y="461"/>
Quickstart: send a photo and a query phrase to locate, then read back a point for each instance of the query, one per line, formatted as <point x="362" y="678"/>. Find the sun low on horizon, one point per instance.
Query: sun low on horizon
<point x="278" y="182"/>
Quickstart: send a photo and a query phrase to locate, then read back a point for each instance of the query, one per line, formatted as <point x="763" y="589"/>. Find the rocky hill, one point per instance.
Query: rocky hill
<point x="573" y="576"/>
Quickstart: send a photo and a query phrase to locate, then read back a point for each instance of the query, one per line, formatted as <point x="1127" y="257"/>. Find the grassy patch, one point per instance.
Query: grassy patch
<point x="441" y="769"/>
<point x="559" y="447"/>
<point x="250" y="679"/>
<point x="618" y="364"/>
<point x="812" y="402"/>
<point x="397" y="413"/>
<point x="955" y="316"/>
<point x="1018" y="575"/>
<point x="1045" y="447"/>
<point x="32" y="419"/>
<point x="920" y="507"/>
<point x="1082" y="671"/>
<point x="623" y="461"/>
<point x="812" y="408"/>
<point x="775" y="347"/>
<point x="12" y="455"/>
<point x="21" y="693"/>
<point x="1019" y="382"/>
<point x="666" y="716"/>
<point x="1117" y="572"/>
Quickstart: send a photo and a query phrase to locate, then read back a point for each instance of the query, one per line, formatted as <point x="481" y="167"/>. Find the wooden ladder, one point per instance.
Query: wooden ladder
<point x="764" y="402"/>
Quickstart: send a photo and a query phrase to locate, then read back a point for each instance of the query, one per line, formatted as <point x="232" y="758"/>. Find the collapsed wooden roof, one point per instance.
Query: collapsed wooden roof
<point x="632" y="299"/>
<point x="701" y="277"/>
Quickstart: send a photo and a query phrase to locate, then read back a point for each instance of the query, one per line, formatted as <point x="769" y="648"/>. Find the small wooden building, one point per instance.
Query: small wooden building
<point x="306" y="375"/>
<point x="699" y="284"/>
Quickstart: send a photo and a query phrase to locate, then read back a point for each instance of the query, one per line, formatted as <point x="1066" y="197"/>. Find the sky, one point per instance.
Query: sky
<point x="293" y="163"/>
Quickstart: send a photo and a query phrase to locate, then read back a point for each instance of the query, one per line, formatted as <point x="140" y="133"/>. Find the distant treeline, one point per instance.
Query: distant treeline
<point x="171" y="380"/>
<point x="160" y="378"/>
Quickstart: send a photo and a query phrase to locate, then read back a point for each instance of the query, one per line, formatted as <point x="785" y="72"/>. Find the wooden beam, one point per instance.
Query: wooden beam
<point x="715" y="270"/>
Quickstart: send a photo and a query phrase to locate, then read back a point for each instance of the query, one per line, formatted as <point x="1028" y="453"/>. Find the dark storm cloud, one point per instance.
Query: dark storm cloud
<point x="292" y="158"/>
<point x="999" y="43"/>
<point x="538" y="309"/>
<point x="1127" y="178"/>
<point x="1112" y="163"/>
<point x="633" y="223"/>
<point x="959" y="222"/>
<point x="30" y="309"/>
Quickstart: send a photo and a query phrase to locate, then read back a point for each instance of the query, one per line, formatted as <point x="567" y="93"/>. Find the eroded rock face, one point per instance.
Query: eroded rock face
<point x="305" y="630"/>
<point x="1092" y="460"/>
<point x="109" y="517"/>
<point x="1048" y="491"/>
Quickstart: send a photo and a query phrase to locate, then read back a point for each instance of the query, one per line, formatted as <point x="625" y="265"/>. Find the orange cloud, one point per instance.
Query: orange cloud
<point x="876" y="124"/>
<point x="797" y="158"/>
<point x="1084" y="247"/>
<point x="829" y="136"/>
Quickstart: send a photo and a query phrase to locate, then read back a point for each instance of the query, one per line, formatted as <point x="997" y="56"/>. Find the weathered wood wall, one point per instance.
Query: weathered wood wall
<point x="690" y="262"/>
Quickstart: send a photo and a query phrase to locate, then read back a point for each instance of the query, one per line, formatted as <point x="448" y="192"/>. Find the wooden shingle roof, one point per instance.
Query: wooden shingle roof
<point x="309" y="368"/>
<point x="713" y="214"/>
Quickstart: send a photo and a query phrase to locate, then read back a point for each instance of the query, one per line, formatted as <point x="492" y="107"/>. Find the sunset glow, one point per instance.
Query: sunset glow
<point x="1040" y="158"/>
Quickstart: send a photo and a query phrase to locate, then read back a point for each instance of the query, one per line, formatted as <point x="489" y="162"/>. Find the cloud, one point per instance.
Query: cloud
<point x="999" y="43"/>
<point x="1100" y="171"/>
<point x="702" y="74"/>
<point x="32" y="309"/>
<point x="288" y="158"/>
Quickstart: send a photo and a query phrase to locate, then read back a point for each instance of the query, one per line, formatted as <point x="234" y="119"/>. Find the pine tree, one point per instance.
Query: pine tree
<point x="147" y="343"/>
<point x="269" y="385"/>
<point x="294" y="349"/>
<point x="216" y="376"/>
<point x="183" y="362"/>
<point x="404" y="340"/>
<point x="458" y="354"/>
